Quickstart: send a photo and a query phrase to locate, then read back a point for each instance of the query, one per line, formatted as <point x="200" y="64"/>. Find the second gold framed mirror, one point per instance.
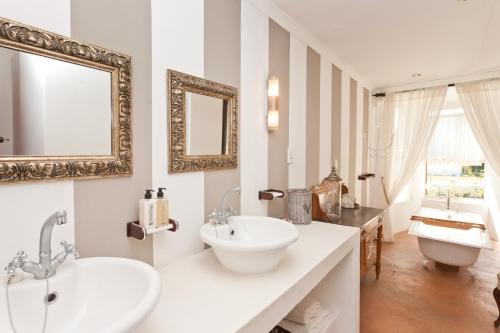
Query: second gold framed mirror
<point x="202" y="124"/>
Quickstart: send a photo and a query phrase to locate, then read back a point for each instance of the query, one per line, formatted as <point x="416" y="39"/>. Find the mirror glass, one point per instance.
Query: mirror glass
<point x="49" y="107"/>
<point x="206" y="124"/>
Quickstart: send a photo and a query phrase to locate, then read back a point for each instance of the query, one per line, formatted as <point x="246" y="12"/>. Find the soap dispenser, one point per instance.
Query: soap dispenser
<point x="147" y="216"/>
<point x="162" y="208"/>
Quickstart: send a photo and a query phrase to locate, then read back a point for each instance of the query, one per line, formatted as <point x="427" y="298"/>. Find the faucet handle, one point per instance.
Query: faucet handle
<point x="11" y="271"/>
<point x="229" y="211"/>
<point x="70" y="249"/>
<point x="21" y="255"/>
<point x="213" y="217"/>
<point x="15" y="263"/>
<point x="75" y="253"/>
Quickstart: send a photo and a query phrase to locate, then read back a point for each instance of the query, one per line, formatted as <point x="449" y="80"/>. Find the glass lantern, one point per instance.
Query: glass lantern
<point x="332" y="185"/>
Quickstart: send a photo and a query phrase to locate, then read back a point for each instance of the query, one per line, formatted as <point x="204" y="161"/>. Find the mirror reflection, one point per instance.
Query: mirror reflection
<point x="206" y="124"/>
<point x="50" y="107"/>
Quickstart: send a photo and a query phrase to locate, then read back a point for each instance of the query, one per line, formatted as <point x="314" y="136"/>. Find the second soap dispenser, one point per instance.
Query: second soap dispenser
<point x="162" y="208"/>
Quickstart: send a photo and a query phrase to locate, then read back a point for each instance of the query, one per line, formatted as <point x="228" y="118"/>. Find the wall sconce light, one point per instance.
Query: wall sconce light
<point x="273" y="92"/>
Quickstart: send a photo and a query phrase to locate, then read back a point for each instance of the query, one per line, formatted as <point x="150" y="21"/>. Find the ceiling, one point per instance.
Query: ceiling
<point x="386" y="41"/>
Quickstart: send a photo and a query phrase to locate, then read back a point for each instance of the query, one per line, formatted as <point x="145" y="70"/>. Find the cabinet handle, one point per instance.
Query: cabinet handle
<point x="2" y="139"/>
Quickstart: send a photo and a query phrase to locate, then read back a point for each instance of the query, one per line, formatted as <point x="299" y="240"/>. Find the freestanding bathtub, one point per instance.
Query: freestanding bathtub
<point x="448" y="237"/>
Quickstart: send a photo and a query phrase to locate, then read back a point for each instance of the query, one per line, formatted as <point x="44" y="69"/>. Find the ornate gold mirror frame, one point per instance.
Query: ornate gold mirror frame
<point x="178" y="85"/>
<point x="14" y="169"/>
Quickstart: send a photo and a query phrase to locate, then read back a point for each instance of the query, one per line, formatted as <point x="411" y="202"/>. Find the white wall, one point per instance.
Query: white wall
<point x="177" y="29"/>
<point x="254" y="74"/>
<point x="24" y="210"/>
<point x="24" y="207"/>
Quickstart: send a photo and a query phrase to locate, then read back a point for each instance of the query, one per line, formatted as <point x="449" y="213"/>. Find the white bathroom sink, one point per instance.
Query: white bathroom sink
<point x="93" y="295"/>
<point x="250" y="244"/>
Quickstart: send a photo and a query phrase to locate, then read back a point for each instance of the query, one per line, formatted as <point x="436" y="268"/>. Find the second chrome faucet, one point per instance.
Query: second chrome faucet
<point x="221" y="215"/>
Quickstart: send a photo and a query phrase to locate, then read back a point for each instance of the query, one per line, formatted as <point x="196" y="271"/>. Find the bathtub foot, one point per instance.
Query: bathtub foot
<point x="445" y="267"/>
<point x="496" y="294"/>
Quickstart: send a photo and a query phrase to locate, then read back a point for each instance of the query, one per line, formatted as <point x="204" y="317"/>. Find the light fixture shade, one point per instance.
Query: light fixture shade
<point x="273" y="91"/>
<point x="273" y="87"/>
<point x="273" y="119"/>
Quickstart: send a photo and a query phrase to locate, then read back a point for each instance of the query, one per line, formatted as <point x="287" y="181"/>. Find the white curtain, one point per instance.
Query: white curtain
<point x="409" y="121"/>
<point x="453" y="142"/>
<point x="481" y="103"/>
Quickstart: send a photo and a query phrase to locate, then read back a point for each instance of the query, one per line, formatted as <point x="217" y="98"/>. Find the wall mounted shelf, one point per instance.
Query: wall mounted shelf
<point x="271" y="194"/>
<point x="365" y="176"/>
<point x="137" y="231"/>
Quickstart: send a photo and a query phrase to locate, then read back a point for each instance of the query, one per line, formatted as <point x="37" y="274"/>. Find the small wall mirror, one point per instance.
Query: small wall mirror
<point x="206" y="125"/>
<point x="203" y="124"/>
<point x="64" y="107"/>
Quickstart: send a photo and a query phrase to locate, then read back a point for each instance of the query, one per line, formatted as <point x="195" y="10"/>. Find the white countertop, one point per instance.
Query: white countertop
<point x="199" y="295"/>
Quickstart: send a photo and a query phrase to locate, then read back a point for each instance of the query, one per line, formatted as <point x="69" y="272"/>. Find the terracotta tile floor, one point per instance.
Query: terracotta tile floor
<point x="418" y="299"/>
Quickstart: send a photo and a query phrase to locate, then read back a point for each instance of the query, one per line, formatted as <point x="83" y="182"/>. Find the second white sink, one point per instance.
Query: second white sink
<point x="250" y="244"/>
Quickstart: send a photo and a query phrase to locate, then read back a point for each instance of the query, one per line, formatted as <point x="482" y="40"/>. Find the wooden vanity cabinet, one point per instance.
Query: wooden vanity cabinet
<point x="368" y="219"/>
<point x="371" y="246"/>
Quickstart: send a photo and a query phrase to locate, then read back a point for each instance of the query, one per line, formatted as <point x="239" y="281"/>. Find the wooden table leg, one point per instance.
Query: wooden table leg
<point x="496" y="294"/>
<point x="379" y="250"/>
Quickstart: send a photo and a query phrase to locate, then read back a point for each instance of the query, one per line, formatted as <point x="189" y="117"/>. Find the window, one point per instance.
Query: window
<point x="455" y="162"/>
<point x="462" y="181"/>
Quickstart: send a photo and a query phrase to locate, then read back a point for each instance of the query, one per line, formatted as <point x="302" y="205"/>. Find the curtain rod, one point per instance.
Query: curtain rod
<point x="383" y="94"/>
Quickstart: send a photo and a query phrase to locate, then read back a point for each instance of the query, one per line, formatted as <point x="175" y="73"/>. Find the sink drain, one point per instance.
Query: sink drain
<point x="50" y="298"/>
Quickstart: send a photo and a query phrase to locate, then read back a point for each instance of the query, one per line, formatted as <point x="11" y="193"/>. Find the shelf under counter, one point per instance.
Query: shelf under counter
<point x="200" y="295"/>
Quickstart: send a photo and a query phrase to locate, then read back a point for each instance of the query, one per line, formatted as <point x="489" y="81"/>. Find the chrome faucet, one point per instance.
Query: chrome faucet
<point x="448" y="201"/>
<point x="47" y="265"/>
<point x="221" y="215"/>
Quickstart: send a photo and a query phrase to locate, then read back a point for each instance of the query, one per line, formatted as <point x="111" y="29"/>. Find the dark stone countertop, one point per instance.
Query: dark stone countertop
<point x="357" y="217"/>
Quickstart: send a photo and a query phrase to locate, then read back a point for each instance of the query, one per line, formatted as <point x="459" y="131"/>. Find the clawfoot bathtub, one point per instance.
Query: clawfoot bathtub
<point x="448" y="237"/>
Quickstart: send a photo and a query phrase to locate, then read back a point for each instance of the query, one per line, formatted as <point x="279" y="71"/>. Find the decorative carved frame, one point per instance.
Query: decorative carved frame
<point x="178" y="84"/>
<point x="15" y="169"/>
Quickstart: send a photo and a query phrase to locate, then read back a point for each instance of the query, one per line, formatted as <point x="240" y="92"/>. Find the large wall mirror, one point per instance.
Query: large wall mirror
<point x="203" y="124"/>
<point x="64" y="107"/>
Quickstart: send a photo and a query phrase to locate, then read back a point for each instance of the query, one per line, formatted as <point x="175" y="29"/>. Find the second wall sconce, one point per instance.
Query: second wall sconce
<point x="273" y="92"/>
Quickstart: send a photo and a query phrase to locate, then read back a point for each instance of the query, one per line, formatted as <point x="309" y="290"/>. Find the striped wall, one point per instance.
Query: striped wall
<point x="364" y="152"/>
<point x="253" y="109"/>
<point x="279" y="65"/>
<point x="242" y="43"/>
<point x="323" y="118"/>
<point x="222" y="64"/>
<point x="336" y="115"/>
<point x="353" y="116"/>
